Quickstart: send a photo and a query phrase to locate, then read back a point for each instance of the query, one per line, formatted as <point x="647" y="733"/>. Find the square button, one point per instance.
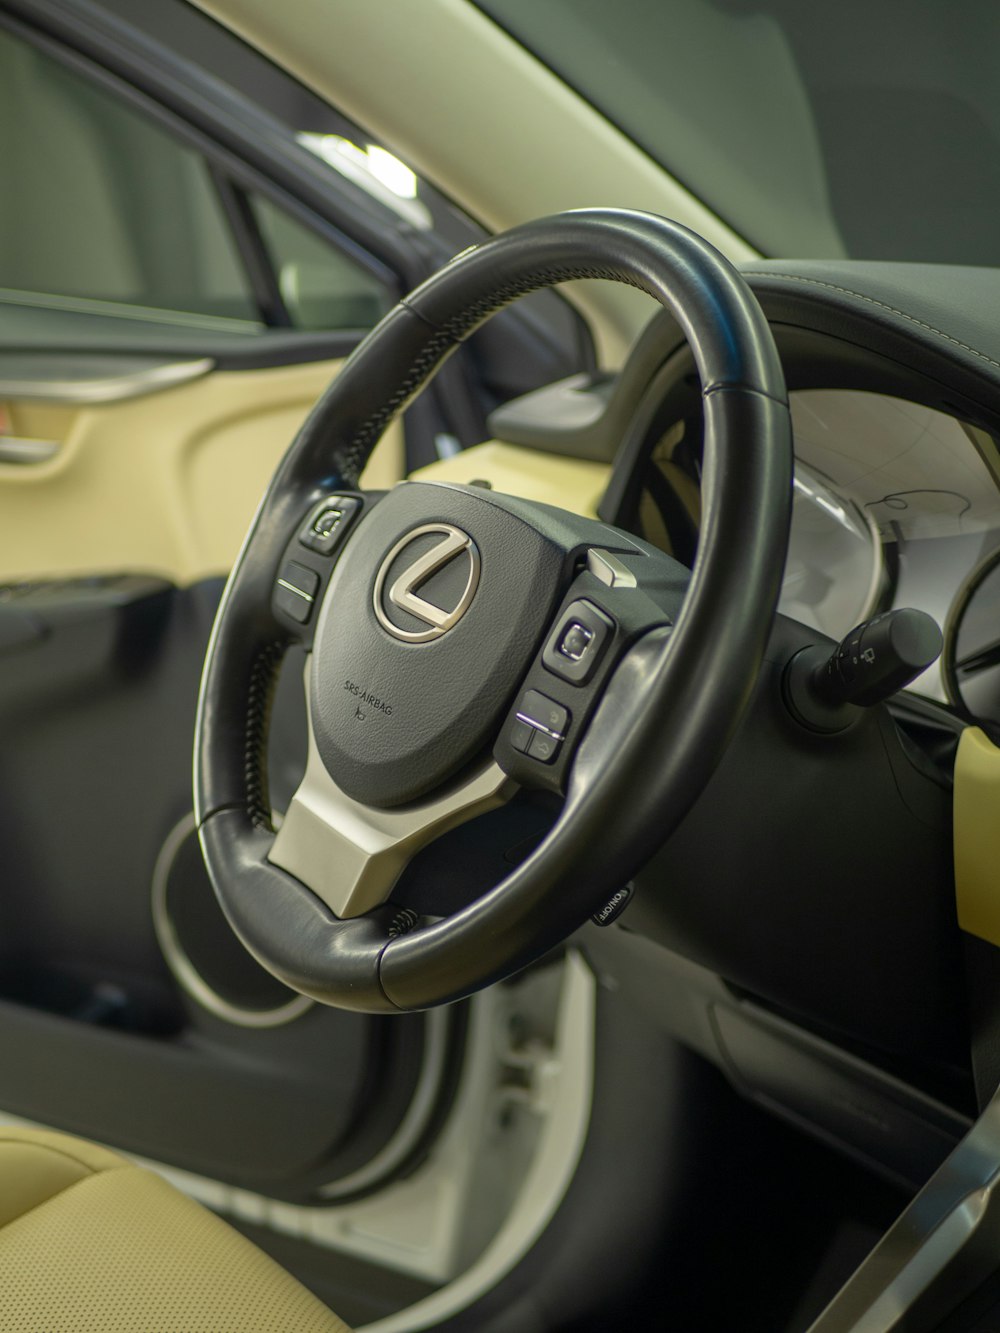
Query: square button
<point x="326" y="522"/>
<point x="576" y="639"/>
<point x="297" y="608"/>
<point x="324" y="529"/>
<point x="300" y="578"/>
<point x="578" y="642"/>
<point x="544" y="748"/>
<point x="520" y="735"/>
<point x="544" y="712"/>
<point x="295" y="591"/>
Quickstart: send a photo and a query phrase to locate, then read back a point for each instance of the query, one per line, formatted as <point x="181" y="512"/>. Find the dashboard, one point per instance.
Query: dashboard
<point x="799" y="929"/>
<point x="893" y="373"/>
<point x="895" y="505"/>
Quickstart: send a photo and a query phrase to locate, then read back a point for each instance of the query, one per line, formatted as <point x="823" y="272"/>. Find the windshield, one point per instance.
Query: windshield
<point x="814" y="130"/>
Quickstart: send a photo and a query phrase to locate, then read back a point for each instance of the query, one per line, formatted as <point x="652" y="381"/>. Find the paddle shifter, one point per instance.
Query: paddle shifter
<point x="872" y="662"/>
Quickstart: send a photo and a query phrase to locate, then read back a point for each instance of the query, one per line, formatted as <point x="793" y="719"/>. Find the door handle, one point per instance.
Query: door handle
<point x="26" y="451"/>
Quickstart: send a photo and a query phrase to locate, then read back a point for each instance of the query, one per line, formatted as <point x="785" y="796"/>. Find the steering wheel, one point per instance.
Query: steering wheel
<point x="462" y="644"/>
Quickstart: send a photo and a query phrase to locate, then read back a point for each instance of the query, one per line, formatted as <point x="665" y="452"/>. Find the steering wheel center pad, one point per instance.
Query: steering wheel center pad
<point x="394" y="718"/>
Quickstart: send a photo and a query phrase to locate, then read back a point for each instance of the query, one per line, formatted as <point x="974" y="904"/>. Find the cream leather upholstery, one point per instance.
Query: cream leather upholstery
<point x="90" y="1243"/>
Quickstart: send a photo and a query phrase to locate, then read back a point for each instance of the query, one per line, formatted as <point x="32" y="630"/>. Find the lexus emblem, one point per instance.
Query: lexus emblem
<point x="409" y="576"/>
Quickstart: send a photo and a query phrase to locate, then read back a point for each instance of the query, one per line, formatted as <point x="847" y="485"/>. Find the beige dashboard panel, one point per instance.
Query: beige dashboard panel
<point x="569" y="483"/>
<point x="977" y="835"/>
<point x="164" y="484"/>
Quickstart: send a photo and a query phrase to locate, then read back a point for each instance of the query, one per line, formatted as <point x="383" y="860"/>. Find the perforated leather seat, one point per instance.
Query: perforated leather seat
<point x="90" y="1243"/>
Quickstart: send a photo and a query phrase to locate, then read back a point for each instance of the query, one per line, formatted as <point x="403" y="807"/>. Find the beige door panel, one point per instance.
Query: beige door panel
<point x="164" y="484"/>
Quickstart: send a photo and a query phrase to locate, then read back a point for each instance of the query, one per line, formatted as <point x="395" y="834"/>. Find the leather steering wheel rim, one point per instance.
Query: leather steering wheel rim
<point x="671" y="706"/>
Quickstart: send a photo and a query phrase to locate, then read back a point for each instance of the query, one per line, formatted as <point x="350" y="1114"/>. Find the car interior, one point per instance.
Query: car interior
<point x="499" y="673"/>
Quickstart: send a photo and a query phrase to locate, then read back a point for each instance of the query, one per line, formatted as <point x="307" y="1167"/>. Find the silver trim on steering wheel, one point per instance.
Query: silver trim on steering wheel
<point x="351" y="854"/>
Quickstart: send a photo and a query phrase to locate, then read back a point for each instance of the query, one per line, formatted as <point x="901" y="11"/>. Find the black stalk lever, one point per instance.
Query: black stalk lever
<point x="872" y="662"/>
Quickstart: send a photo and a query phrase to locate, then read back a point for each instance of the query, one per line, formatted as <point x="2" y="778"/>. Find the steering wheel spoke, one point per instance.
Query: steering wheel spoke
<point x="351" y="854"/>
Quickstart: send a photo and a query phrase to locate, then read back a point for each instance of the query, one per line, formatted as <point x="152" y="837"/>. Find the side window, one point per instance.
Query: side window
<point x="320" y="287"/>
<point x="102" y="204"/>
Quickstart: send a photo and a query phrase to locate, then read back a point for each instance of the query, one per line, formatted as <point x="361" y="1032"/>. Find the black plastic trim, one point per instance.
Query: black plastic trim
<point x="250" y="244"/>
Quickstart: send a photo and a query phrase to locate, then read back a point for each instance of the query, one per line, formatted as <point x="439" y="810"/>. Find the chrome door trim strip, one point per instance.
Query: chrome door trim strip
<point x="87" y="392"/>
<point x="30" y="453"/>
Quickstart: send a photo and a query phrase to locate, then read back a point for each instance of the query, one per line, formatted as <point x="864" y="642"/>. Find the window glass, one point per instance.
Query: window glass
<point x="816" y="130"/>
<point x="564" y="342"/>
<point x="321" y="287"/>
<point x="100" y="203"/>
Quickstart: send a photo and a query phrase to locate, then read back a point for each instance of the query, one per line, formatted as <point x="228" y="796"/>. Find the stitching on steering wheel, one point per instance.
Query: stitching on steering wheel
<point x="260" y="695"/>
<point x="357" y="452"/>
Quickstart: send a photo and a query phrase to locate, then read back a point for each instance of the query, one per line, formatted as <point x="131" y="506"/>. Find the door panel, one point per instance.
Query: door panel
<point x="170" y="309"/>
<point x="179" y="281"/>
<point x="98" y="682"/>
<point x="112" y="554"/>
<point x="166" y="483"/>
